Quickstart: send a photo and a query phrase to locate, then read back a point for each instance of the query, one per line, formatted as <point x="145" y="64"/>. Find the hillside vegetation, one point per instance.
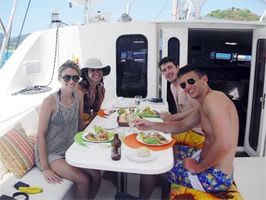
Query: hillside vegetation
<point x="234" y="14"/>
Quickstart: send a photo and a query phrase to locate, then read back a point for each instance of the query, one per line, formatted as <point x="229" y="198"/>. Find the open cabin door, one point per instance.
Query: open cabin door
<point x="254" y="143"/>
<point x="174" y="43"/>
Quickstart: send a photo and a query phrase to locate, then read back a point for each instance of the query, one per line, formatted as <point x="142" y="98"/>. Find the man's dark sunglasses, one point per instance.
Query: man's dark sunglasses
<point x="67" y="78"/>
<point x="190" y="81"/>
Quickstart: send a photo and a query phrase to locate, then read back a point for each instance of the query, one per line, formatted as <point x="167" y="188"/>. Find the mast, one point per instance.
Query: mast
<point x="175" y="12"/>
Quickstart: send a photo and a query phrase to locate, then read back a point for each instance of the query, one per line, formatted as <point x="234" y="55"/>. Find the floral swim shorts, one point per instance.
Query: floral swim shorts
<point x="210" y="180"/>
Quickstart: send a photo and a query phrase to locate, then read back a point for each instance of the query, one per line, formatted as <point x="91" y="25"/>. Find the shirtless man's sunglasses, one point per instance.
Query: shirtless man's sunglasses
<point x="190" y="81"/>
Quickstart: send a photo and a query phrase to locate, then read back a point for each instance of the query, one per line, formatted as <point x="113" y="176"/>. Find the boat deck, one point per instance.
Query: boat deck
<point x="250" y="177"/>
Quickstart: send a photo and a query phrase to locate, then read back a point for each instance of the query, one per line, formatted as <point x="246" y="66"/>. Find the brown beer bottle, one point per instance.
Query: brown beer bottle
<point x="116" y="148"/>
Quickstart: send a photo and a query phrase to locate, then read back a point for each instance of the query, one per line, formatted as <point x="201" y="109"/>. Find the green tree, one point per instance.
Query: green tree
<point x="234" y="14"/>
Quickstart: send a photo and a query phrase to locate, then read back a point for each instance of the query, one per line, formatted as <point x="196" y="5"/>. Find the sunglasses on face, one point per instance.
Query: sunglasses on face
<point x="190" y="81"/>
<point x="67" y="78"/>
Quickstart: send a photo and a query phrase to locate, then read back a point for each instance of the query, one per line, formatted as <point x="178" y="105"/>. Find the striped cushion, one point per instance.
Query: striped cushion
<point x="16" y="151"/>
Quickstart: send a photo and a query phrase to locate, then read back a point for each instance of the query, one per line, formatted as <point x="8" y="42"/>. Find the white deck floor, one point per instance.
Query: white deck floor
<point x="108" y="190"/>
<point x="250" y="177"/>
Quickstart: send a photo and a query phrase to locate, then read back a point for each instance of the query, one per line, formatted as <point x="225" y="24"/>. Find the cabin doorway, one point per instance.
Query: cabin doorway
<point x="256" y="126"/>
<point x="225" y="55"/>
<point x="174" y="45"/>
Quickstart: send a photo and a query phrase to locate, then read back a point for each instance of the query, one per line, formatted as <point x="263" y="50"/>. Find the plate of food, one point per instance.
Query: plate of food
<point x="142" y="154"/>
<point x="154" y="138"/>
<point x="148" y="112"/>
<point x="98" y="135"/>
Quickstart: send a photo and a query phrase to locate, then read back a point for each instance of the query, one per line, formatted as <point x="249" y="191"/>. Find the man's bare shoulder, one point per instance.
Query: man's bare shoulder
<point x="216" y="98"/>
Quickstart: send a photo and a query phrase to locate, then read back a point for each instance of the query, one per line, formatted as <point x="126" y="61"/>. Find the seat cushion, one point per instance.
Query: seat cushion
<point x="34" y="177"/>
<point x="16" y="151"/>
<point x="179" y="192"/>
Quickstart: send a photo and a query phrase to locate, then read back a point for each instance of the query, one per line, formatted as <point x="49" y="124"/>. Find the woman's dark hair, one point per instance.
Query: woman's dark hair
<point x="167" y="60"/>
<point x="189" y="68"/>
<point x="85" y="83"/>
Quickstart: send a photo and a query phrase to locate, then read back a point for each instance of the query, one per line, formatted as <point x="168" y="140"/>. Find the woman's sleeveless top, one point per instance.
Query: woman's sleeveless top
<point x="62" y="127"/>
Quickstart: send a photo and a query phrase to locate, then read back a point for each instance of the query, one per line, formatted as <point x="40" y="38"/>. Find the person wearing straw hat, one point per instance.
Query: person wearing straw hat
<point x="92" y="85"/>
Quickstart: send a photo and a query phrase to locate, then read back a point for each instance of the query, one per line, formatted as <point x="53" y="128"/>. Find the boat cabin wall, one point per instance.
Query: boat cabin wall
<point x="131" y="51"/>
<point x="33" y="62"/>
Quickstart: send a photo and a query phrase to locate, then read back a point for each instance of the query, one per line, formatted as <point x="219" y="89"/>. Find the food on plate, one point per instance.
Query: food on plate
<point x="143" y="152"/>
<point x="149" y="112"/>
<point x="121" y="111"/>
<point x="153" y="138"/>
<point x="123" y="117"/>
<point x="100" y="135"/>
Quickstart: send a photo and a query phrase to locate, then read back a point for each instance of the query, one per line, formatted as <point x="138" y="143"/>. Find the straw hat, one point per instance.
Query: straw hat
<point x="94" y="63"/>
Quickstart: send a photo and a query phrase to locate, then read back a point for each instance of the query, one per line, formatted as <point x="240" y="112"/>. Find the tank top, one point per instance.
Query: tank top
<point x="62" y="127"/>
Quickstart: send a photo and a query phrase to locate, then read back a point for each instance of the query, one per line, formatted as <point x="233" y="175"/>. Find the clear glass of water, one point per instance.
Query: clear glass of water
<point x="131" y="121"/>
<point x="138" y="99"/>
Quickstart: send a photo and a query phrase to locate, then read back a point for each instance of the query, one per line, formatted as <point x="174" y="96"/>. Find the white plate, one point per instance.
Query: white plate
<point x="93" y="141"/>
<point x="134" y="156"/>
<point x="167" y="136"/>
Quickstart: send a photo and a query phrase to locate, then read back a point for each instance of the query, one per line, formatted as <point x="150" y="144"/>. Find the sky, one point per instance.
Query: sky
<point x="39" y="14"/>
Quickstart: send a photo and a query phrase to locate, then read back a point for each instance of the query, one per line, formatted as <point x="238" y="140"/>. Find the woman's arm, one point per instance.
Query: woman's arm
<point x="44" y="118"/>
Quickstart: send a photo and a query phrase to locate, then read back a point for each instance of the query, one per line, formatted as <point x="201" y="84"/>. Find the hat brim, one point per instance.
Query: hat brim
<point x="84" y="71"/>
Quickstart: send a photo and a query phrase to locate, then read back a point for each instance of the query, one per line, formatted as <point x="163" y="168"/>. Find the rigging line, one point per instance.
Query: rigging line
<point x="23" y="23"/>
<point x="164" y="6"/>
<point x="55" y="53"/>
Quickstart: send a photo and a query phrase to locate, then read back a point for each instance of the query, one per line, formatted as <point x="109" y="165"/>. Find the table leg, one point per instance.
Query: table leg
<point x="122" y="182"/>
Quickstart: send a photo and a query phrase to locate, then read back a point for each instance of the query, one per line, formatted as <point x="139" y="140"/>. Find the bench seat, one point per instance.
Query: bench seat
<point x="34" y="177"/>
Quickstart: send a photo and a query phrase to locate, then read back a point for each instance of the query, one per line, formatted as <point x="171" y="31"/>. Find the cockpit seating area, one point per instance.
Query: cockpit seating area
<point x="11" y="137"/>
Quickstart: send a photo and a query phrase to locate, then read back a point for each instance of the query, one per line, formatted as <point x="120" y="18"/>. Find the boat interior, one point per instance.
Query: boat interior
<point x="132" y="50"/>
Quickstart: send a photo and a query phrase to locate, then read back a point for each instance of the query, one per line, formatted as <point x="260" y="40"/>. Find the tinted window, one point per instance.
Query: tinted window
<point x="131" y="71"/>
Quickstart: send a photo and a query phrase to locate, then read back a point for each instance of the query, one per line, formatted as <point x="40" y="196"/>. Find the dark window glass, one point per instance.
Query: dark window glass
<point x="173" y="52"/>
<point x="257" y="93"/>
<point x="131" y="59"/>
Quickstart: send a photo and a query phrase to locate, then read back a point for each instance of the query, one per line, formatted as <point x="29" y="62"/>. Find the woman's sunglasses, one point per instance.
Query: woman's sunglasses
<point x="190" y="81"/>
<point x="67" y="78"/>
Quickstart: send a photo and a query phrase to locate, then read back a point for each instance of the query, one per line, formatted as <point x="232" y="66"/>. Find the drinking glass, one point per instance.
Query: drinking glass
<point x="138" y="99"/>
<point x="131" y="121"/>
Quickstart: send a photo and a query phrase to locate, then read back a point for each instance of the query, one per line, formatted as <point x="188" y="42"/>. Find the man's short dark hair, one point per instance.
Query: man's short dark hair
<point x="167" y="60"/>
<point x="189" y="68"/>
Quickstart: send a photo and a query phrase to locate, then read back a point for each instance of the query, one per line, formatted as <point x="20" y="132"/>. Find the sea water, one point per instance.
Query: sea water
<point x="6" y="56"/>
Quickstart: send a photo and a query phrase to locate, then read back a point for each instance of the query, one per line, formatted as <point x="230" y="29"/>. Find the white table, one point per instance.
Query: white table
<point x="97" y="156"/>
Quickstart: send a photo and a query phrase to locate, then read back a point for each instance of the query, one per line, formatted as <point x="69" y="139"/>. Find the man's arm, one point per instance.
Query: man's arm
<point x="170" y="126"/>
<point x="216" y="111"/>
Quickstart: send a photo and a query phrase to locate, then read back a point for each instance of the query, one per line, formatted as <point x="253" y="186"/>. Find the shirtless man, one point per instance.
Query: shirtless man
<point x="184" y="103"/>
<point x="185" y="106"/>
<point x="209" y="169"/>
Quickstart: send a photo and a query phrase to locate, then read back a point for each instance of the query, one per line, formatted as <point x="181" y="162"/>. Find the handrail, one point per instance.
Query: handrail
<point x="7" y="31"/>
